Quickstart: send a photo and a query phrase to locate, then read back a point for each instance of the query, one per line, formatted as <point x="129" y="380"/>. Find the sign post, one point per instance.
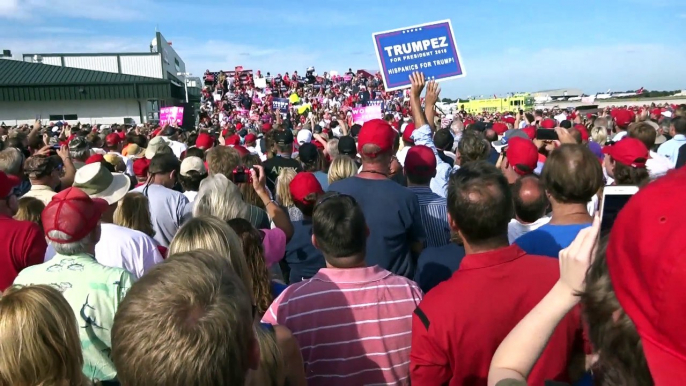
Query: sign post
<point x="429" y="48"/>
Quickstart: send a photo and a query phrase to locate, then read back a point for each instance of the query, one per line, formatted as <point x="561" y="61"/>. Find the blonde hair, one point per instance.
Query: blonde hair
<point x="599" y="134"/>
<point x="342" y="167"/>
<point x="213" y="234"/>
<point x="39" y="339"/>
<point x="283" y="193"/>
<point x="188" y="321"/>
<point x="133" y="212"/>
<point x="220" y="198"/>
<point x="30" y="209"/>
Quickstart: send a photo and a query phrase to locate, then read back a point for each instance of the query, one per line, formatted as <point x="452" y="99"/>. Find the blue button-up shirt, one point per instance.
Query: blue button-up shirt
<point x="434" y="211"/>
<point x="670" y="149"/>
<point x="439" y="184"/>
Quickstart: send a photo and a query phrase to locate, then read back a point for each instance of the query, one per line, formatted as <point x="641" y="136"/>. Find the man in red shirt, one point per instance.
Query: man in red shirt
<point x="460" y="323"/>
<point x="22" y="243"/>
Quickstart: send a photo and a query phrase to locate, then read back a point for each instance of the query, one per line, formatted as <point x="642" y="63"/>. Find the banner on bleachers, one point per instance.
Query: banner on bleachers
<point x="364" y="114"/>
<point x="376" y="102"/>
<point x="280" y="104"/>
<point x="171" y="115"/>
<point x="429" y="48"/>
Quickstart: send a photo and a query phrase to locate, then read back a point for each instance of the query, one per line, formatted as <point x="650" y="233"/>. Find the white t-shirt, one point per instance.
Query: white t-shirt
<point x="658" y="165"/>
<point x="125" y="248"/>
<point x="177" y="147"/>
<point x="190" y="195"/>
<point x="592" y="206"/>
<point x="401" y="154"/>
<point x="515" y="229"/>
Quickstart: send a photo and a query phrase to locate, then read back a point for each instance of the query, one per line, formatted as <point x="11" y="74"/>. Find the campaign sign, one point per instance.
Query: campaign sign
<point x="280" y="104"/>
<point x="429" y="48"/>
<point x="364" y="114"/>
<point x="376" y="102"/>
<point x="171" y="115"/>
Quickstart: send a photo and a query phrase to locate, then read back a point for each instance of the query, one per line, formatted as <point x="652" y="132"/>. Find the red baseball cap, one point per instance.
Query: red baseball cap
<point x="407" y="133"/>
<point x="500" y="127"/>
<point x="7" y="183"/>
<point x="112" y="139"/>
<point x="250" y="138"/>
<point x="141" y="166"/>
<point x="648" y="273"/>
<point x="266" y="127"/>
<point x="530" y="132"/>
<point x="73" y="213"/>
<point x="510" y="120"/>
<point x="95" y="158"/>
<point x="623" y="117"/>
<point x="233" y="140"/>
<point x="241" y="150"/>
<point x="548" y="123"/>
<point x="376" y="132"/>
<point x="239" y="126"/>
<point x="628" y="151"/>
<point x="522" y="154"/>
<point x="421" y="161"/>
<point x="204" y="141"/>
<point x="302" y="185"/>
<point x="583" y="130"/>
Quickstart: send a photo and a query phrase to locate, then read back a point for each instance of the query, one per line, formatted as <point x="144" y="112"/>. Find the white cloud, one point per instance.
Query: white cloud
<point x="106" y="10"/>
<point x="72" y="44"/>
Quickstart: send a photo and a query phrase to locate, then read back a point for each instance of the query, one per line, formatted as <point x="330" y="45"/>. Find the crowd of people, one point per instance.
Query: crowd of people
<point x="295" y="246"/>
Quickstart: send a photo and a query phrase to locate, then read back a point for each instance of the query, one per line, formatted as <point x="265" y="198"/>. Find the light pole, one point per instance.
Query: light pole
<point x="185" y="81"/>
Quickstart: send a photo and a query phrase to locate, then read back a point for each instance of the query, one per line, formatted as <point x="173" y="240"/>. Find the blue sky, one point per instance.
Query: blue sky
<point x="506" y="45"/>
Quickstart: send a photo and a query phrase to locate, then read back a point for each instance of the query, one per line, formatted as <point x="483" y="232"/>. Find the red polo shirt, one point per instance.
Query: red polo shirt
<point x="22" y="245"/>
<point x="460" y="323"/>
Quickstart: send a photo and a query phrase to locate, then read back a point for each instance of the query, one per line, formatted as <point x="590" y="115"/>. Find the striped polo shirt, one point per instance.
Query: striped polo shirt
<point x="434" y="211"/>
<point x="353" y="325"/>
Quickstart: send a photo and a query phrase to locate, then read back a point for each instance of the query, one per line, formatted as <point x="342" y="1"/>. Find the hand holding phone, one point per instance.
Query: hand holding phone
<point x="614" y="199"/>
<point x="546" y="135"/>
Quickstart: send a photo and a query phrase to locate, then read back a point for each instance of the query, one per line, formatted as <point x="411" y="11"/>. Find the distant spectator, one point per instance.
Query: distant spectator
<point x="192" y="172"/>
<point x="79" y="151"/>
<point x="571" y="177"/>
<point x="284" y="150"/>
<point x="314" y="163"/>
<point x="302" y="259"/>
<point x="625" y="161"/>
<point x="599" y="134"/>
<point x="283" y="194"/>
<point x="420" y="168"/>
<point x="12" y="164"/>
<point x="657" y="165"/>
<point x="670" y="149"/>
<point x="22" y="243"/>
<point x="167" y="206"/>
<point x="44" y="174"/>
<point x="341" y="167"/>
<point x="392" y="211"/>
<point x="39" y="338"/>
<point x="30" y="209"/>
<point x="530" y="206"/>
<point x="471" y="148"/>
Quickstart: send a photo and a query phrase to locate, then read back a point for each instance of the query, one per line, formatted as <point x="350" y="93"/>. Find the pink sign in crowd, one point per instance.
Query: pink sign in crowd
<point x="319" y="230"/>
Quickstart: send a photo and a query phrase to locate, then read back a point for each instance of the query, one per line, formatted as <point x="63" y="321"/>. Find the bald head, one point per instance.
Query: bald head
<point x="490" y="135"/>
<point x="529" y="199"/>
